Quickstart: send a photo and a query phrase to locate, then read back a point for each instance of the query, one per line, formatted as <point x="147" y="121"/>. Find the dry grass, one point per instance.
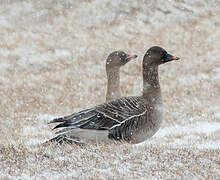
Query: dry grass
<point x="52" y="63"/>
<point x="100" y="162"/>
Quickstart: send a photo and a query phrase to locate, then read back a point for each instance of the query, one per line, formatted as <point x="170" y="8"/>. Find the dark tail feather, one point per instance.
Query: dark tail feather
<point x="61" y="119"/>
<point x="76" y="124"/>
<point x="65" y="124"/>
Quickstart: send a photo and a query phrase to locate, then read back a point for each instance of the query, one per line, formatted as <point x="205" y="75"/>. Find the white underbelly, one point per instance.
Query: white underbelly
<point x="88" y="135"/>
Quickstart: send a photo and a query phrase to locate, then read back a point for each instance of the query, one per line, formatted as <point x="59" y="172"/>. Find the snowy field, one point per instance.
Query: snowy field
<point x="52" y="63"/>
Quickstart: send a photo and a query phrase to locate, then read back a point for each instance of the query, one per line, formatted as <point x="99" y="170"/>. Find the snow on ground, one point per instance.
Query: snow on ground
<point x="53" y="63"/>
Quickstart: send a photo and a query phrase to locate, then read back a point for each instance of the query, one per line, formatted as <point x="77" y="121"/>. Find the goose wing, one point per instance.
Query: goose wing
<point x="118" y="117"/>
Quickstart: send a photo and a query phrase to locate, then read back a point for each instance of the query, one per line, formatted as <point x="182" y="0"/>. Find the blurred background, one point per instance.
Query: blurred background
<point x="52" y="63"/>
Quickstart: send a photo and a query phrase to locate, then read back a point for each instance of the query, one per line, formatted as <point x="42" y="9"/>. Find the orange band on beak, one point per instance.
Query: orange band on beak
<point x="175" y="58"/>
<point x="131" y="56"/>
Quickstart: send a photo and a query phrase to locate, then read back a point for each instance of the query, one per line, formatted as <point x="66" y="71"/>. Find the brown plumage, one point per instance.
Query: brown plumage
<point x="114" y="62"/>
<point x="131" y="119"/>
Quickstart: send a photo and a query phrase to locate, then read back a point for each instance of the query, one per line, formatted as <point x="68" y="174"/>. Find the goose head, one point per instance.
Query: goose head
<point x="118" y="59"/>
<point x="157" y="55"/>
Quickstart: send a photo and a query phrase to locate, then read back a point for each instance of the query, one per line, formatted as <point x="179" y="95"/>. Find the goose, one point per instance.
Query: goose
<point x="114" y="62"/>
<point x="132" y="119"/>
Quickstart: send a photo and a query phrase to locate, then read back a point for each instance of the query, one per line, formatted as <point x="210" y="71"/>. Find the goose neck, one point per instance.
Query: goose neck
<point x="151" y="85"/>
<point x="113" y="84"/>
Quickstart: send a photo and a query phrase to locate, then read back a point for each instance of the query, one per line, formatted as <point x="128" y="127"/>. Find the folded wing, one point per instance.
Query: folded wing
<point x="119" y="117"/>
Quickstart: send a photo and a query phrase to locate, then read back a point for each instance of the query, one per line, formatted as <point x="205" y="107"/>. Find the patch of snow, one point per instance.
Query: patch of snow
<point x="200" y="127"/>
<point x="217" y="73"/>
<point x="217" y="114"/>
<point x="189" y="136"/>
<point x="50" y="175"/>
<point x="192" y="79"/>
<point x="46" y="117"/>
<point x="27" y="130"/>
<point x="4" y="22"/>
<point x="209" y="145"/>
<point x="62" y="53"/>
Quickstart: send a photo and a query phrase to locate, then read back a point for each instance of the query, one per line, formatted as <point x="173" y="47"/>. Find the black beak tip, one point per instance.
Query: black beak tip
<point x="170" y="57"/>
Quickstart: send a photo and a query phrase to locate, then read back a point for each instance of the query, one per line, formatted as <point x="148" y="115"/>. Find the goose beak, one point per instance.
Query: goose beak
<point x="170" y="57"/>
<point x="129" y="57"/>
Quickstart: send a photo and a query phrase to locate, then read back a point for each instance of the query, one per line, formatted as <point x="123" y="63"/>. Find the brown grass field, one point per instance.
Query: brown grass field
<point x="52" y="63"/>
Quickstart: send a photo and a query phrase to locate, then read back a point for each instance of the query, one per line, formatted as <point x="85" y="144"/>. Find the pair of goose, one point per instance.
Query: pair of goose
<point x="132" y="119"/>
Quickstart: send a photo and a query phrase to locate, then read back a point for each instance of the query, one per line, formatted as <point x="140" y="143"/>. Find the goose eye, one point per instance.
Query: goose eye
<point x="123" y="56"/>
<point x="163" y="56"/>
